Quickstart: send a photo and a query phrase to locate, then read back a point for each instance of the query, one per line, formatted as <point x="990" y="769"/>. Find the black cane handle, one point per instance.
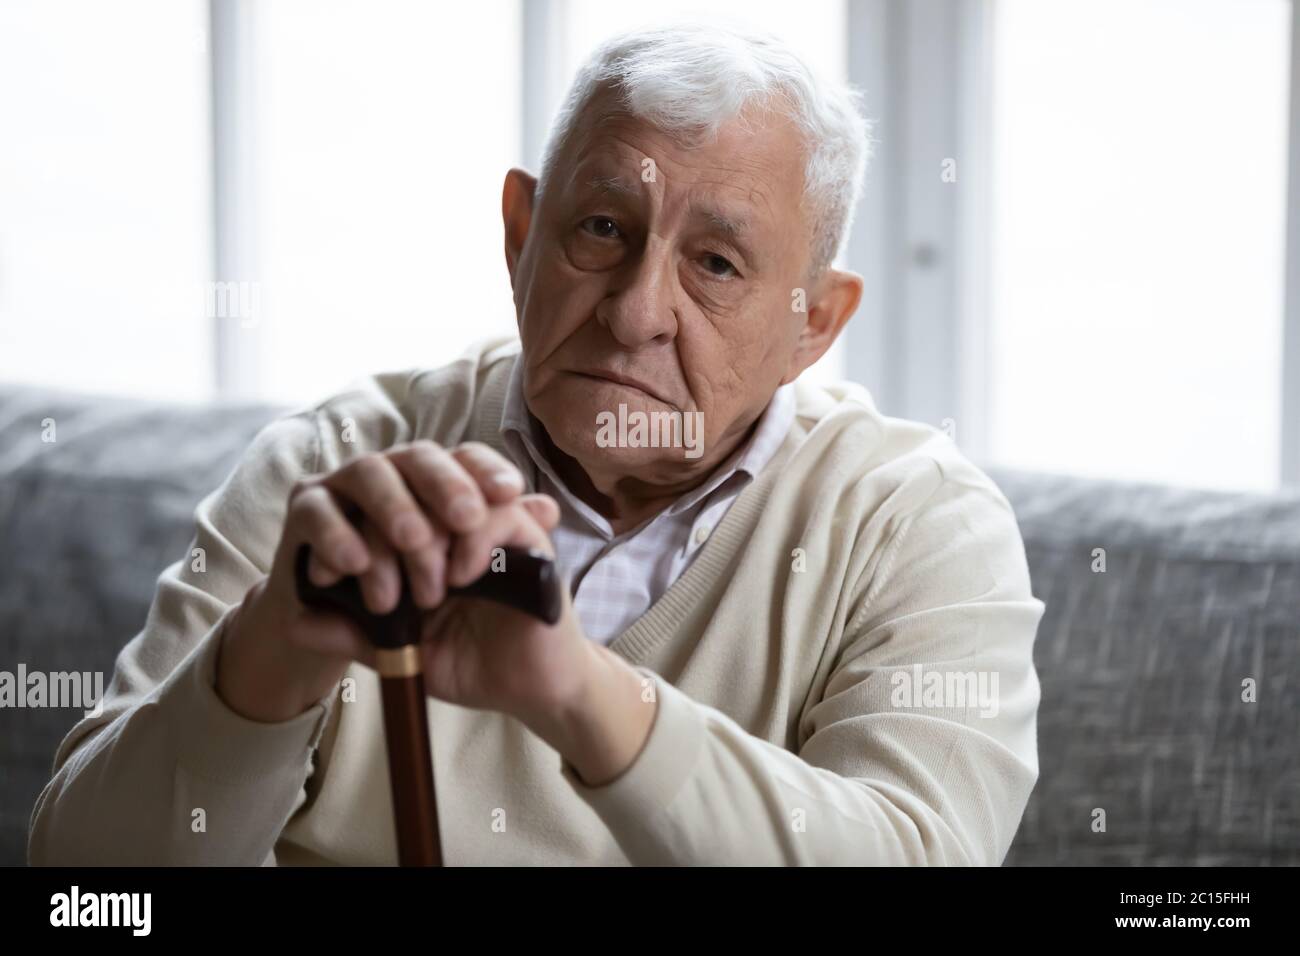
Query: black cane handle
<point x="528" y="581"/>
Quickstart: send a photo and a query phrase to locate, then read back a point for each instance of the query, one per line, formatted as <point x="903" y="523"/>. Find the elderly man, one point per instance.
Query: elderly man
<point x="803" y="636"/>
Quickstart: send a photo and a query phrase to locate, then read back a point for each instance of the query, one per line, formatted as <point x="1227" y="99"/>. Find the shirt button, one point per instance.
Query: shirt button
<point x="701" y="534"/>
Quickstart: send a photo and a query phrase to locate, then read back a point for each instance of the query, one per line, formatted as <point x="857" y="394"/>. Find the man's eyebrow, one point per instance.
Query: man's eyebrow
<point x="612" y="184"/>
<point x="729" y="226"/>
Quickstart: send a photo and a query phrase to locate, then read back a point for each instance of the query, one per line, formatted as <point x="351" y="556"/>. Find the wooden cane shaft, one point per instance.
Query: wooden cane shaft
<point x="410" y="769"/>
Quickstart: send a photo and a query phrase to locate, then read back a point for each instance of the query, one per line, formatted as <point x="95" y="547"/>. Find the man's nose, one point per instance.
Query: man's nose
<point x="639" y="307"/>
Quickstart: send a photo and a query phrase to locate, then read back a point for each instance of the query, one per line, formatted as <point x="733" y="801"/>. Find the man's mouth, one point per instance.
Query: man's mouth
<point x="627" y="381"/>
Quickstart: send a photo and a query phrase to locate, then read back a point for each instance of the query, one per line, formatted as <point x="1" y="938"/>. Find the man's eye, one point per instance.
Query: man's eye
<point x="601" y="226"/>
<point x="718" y="266"/>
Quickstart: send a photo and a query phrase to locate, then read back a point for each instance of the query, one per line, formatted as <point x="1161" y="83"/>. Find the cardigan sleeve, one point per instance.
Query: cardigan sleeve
<point x="167" y="773"/>
<point x="921" y="748"/>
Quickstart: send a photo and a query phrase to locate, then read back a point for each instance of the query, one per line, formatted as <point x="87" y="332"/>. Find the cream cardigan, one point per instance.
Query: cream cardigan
<point x="822" y="669"/>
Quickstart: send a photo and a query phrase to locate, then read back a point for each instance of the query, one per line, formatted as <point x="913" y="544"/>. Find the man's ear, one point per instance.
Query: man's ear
<point x="517" y="212"/>
<point x="835" y="298"/>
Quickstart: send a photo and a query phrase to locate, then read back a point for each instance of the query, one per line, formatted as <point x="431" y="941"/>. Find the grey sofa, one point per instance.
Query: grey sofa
<point x="1142" y="665"/>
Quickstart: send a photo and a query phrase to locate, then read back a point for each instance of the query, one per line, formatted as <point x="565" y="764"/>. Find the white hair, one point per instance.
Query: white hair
<point x="692" y="78"/>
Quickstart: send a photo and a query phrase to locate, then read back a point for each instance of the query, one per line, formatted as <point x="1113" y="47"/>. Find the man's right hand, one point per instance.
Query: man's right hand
<point x="277" y="657"/>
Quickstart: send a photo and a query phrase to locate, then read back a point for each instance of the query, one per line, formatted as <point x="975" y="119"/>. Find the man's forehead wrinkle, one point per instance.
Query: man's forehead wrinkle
<point x="750" y="179"/>
<point x="752" y="193"/>
<point x="721" y="187"/>
<point x="595" y="151"/>
<point x="686" y="160"/>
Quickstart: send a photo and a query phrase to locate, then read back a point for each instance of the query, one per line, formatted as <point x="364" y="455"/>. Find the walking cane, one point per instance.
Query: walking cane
<point x="529" y="583"/>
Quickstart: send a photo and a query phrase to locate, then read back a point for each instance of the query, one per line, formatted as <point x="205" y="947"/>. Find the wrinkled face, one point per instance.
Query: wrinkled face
<point x="660" y="276"/>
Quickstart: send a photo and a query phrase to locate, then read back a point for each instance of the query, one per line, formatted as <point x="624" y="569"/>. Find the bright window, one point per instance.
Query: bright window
<point x="104" y="196"/>
<point x="1138" y="238"/>
<point x="386" y="132"/>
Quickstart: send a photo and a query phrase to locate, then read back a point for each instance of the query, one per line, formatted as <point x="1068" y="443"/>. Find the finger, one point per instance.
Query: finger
<point x="449" y="494"/>
<point x="374" y="485"/>
<point x="381" y="584"/>
<point x="426" y="570"/>
<point x="315" y="518"/>
<point x="497" y="476"/>
<point x="471" y="554"/>
<point x="544" y="509"/>
<point x="320" y="574"/>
